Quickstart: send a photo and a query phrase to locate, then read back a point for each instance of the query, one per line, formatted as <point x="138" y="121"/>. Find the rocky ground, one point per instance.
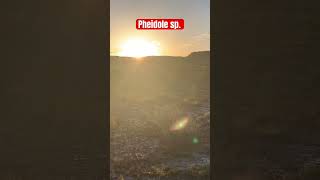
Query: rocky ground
<point x="143" y="147"/>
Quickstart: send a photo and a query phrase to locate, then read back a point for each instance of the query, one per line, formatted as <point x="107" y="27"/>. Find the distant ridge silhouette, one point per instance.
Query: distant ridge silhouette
<point x="199" y="54"/>
<point x="194" y="54"/>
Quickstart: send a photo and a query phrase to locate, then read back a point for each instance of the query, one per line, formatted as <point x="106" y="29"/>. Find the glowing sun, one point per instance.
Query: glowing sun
<point x="139" y="48"/>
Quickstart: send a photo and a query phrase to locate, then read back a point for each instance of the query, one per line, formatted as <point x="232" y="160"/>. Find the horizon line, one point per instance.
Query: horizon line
<point x="162" y="55"/>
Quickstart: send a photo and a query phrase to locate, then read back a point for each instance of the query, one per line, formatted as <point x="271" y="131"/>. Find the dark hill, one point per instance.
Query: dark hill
<point x="152" y="77"/>
<point x="199" y="54"/>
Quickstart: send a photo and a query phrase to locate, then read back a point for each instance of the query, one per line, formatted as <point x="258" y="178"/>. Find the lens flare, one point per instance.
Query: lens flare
<point x="195" y="140"/>
<point x="180" y="124"/>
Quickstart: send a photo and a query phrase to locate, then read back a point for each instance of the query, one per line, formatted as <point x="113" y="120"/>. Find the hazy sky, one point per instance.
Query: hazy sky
<point x="194" y="37"/>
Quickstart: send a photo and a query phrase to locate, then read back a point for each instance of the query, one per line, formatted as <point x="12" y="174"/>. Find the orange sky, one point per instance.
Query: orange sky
<point x="195" y="36"/>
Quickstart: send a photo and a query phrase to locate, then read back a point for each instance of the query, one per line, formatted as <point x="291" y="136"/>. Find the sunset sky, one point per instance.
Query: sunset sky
<point x="194" y="37"/>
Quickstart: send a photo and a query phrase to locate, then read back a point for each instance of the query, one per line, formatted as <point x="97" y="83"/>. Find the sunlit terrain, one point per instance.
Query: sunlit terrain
<point x="160" y="117"/>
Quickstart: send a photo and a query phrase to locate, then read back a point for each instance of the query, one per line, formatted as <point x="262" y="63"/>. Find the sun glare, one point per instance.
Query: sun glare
<point x="139" y="48"/>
